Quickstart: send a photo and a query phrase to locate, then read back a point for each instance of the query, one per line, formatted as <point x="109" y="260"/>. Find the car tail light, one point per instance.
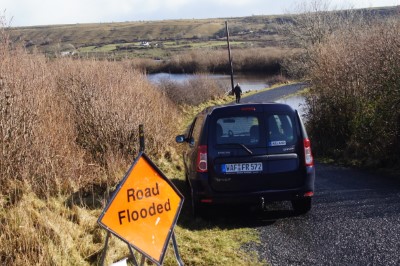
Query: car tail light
<point x="202" y="159"/>
<point x="206" y="200"/>
<point x="309" y="194"/>
<point x="248" y="109"/>
<point x="308" y="158"/>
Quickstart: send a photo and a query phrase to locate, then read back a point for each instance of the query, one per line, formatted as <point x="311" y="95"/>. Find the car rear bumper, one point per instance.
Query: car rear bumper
<point x="251" y="198"/>
<point x="203" y="194"/>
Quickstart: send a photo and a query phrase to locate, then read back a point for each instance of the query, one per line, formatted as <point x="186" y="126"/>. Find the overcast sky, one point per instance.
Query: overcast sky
<point x="48" y="12"/>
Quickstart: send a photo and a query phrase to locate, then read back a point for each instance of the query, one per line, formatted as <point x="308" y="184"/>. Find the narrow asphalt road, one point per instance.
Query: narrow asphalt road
<point x="273" y="94"/>
<point x="355" y="219"/>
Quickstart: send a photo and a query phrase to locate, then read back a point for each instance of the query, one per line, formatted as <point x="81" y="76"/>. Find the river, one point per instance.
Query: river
<point x="296" y="102"/>
<point x="247" y="82"/>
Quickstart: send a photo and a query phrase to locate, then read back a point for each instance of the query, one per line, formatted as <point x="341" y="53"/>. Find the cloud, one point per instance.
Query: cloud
<point x="45" y="12"/>
<point x="40" y="12"/>
<point x="371" y="3"/>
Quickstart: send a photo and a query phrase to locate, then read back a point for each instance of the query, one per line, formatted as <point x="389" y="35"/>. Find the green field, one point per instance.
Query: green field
<point x="123" y="39"/>
<point x="164" y="36"/>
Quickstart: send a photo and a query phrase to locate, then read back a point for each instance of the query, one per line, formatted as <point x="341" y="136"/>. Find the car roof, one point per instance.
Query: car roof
<point x="258" y="107"/>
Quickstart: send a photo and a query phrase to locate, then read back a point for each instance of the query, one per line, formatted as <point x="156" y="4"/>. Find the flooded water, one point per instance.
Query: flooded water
<point x="247" y="82"/>
<point x="296" y="102"/>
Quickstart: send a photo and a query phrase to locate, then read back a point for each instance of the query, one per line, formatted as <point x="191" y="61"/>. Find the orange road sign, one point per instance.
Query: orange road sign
<point x="144" y="209"/>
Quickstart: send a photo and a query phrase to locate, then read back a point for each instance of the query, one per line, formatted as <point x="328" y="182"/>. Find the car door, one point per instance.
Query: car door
<point x="284" y="151"/>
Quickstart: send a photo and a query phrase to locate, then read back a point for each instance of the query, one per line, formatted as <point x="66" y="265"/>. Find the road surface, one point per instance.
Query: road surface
<point x="273" y="94"/>
<point x="355" y="219"/>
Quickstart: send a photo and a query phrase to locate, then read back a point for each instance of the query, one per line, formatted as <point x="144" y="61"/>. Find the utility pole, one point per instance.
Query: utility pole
<point x="229" y="53"/>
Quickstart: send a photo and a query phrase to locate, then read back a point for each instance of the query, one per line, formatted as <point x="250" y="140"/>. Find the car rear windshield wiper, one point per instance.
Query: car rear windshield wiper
<point x="239" y="144"/>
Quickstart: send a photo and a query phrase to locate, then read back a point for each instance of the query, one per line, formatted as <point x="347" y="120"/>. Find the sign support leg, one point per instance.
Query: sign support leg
<point x="103" y="256"/>
<point x="143" y="260"/>
<point x="148" y="181"/>
<point x="133" y="255"/>
<point x="175" y="244"/>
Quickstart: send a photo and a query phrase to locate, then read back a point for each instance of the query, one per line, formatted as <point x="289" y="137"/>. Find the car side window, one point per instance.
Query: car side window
<point x="195" y="130"/>
<point x="281" y="131"/>
<point x="189" y="130"/>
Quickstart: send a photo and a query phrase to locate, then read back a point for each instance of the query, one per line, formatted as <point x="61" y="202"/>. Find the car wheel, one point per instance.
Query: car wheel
<point x="187" y="180"/>
<point x="301" y="206"/>
<point x="197" y="208"/>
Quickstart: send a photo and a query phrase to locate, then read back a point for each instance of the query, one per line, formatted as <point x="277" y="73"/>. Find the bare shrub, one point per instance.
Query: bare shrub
<point x="66" y="127"/>
<point x="312" y="23"/>
<point x="35" y="131"/>
<point x="39" y="159"/>
<point x="352" y="60"/>
<point x="194" y="91"/>
<point x="59" y="117"/>
<point x="354" y="105"/>
<point x="109" y="101"/>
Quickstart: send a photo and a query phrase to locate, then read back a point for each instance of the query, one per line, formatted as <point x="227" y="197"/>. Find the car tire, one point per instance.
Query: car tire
<point x="187" y="181"/>
<point x="301" y="206"/>
<point x="197" y="209"/>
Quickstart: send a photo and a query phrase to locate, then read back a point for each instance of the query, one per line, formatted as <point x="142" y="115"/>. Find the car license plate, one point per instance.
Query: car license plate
<point x="242" y="167"/>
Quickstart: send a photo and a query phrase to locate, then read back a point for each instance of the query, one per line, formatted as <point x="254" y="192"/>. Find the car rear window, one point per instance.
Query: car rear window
<point x="238" y="129"/>
<point x="281" y="131"/>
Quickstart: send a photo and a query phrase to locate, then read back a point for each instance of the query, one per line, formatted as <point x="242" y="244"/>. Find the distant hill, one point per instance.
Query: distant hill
<point x="112" y="37"/>
<point x="124" y="32"/>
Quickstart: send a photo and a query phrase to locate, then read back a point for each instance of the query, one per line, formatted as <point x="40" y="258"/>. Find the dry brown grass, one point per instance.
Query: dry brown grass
<point x="68" y="132"/>
<point x="56" y="114"/>
<point x="38" y="159"/>
<point x="355" y="100"/>
<point x="109" y="101"/>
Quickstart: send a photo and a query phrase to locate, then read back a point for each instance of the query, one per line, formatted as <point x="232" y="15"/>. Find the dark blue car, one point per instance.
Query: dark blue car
<point x="249" y="153"/>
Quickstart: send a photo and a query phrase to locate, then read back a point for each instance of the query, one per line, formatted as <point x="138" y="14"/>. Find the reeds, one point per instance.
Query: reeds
<point x="193" y="91"/>
<point x="250" y="60"/>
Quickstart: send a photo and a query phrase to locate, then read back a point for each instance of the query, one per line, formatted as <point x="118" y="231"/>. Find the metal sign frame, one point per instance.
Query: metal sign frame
<point x="171" y="230"/>
<point x="174" y="243"/>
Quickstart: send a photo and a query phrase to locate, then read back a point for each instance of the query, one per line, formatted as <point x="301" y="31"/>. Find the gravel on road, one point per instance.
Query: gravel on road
<point x="355" y="220"/>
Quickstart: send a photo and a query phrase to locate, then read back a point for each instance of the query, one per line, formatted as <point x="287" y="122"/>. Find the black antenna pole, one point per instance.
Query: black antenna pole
<point x="229" y="53"/>
<point x="141" y="138"/>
